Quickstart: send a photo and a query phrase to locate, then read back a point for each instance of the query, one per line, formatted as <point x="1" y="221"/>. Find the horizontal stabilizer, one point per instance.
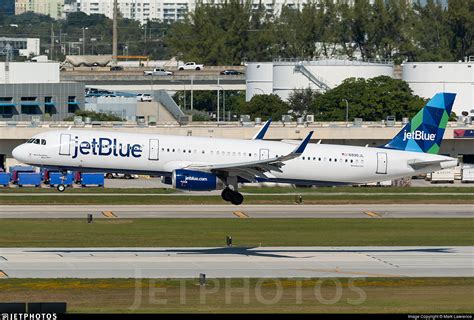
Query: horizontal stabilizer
<point x="444" y="163"/>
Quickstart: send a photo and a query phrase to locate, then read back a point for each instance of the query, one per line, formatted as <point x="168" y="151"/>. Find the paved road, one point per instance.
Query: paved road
<point x="372" y="211"/>
<point x="270" y="262"/>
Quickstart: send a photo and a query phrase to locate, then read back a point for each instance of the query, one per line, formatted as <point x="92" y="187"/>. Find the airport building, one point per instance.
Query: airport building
<point x="24" y="47"/>
<point x="32" y="91"/>
<point x="283" y="76"/>
<point x="428" y="78"/>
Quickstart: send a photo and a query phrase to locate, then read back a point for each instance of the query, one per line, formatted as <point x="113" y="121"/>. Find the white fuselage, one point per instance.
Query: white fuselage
<point x="161" y="154"/>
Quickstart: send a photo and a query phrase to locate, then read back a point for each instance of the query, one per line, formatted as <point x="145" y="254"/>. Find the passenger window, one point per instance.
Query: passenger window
<point x="335" y="160"/>
<point x="319" y="159"/>
<point x="37" y="141"/>
<point x="352" y="161"/>
<point x="168" y="150"/>
<point x="250" y="154"/>
<point x="43" y="142"/>
<point x="173" y="150"/>
<point x="303" y="158"/>
<point x="330" y="159"/>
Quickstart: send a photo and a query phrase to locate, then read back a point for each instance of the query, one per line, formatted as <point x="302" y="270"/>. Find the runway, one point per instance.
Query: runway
<point x="250" y="211"/>
<point x="262" y="262"/>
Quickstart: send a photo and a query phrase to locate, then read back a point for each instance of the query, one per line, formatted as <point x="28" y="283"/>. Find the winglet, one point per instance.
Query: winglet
<point x="261" y="133"/>
<point x="300" y="149"/>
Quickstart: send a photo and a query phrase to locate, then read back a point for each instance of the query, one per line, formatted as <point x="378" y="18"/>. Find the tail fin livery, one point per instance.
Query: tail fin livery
<point x="425" y="131"/>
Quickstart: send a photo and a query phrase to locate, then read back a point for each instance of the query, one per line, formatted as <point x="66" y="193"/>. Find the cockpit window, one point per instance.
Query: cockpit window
<point x="37" y="141"/>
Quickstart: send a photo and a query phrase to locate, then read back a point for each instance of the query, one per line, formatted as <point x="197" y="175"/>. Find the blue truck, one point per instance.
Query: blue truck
<point x="29" y="179"/>
<point x="5" y="178"/>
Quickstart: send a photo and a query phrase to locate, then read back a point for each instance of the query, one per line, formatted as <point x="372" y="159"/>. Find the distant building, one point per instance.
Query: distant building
<point x="171" y="10"/>
<point x="52" y="8"/>
<point x="7" y="7"/>
<point x="140" y="10"/>
<point x="21" y="46"/>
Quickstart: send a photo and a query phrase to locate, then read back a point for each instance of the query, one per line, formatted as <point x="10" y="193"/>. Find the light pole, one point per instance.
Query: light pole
<point x="347" y="112"/>
<point x="218" y="104"/>
<point x="192" y="98"/>
<point x="184" y="92"/>
<point x="84" y="40"/>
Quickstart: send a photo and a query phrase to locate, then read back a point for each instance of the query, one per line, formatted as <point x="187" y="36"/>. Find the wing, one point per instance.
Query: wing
<point x="252" y="169"/>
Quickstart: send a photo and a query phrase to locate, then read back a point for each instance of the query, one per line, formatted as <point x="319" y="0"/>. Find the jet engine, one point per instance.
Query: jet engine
<point x="195" y="180"/>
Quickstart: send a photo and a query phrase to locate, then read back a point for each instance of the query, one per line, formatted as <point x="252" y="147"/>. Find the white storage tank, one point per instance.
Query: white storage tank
<point x="258" y="78"/>
<point x="428" y="78"/>
<point x="291" y="74"/>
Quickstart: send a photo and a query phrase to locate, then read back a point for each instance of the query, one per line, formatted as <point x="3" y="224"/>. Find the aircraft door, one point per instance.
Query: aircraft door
<point x="381" y="163"/>
<point x="65" y="144"/>
<point x="153" y="150"/>
<point x="264" y="154"/>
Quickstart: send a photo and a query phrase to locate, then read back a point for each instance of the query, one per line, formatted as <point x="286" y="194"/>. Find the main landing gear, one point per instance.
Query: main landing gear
<point x="233" y="196"/>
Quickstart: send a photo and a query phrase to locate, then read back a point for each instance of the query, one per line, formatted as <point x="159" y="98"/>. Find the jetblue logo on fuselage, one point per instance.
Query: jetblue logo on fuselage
<point x="418" y="135"/>
<point x="106" y="147"/>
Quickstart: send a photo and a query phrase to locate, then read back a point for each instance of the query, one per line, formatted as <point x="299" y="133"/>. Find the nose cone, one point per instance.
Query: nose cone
<point x="19" y="153"/>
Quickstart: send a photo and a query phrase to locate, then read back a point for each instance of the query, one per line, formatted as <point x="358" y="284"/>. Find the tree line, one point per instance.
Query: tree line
<point x="372" y="99"/>
<point x="236" y="31"/>
<point x="387" y="29"/>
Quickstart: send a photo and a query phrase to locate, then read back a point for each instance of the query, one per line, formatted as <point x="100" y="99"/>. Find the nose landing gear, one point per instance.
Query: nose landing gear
<point x="62" y="187"/>
<point x="232" y="196"/>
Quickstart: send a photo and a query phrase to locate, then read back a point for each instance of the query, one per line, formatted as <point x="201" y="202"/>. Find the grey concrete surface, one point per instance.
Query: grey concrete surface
<point x="372" y="211"/>
<point x="263" y="262"/>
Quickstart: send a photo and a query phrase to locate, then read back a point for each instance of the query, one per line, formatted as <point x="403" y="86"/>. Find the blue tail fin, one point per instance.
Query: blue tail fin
<point x="425" y="131"/>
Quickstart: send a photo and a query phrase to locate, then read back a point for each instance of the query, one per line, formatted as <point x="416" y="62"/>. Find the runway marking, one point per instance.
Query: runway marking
<point x="372" y="214"/>
<point x="241" y="214"/>
<point x="337" y="270"/>
<point x="3" y="274"/>
<point x="109" y="214"/>
<point x="383" y="261"/>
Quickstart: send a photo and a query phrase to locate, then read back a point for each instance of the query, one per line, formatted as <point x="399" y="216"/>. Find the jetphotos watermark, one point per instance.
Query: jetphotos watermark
<point x="29" y="316"/>
<point x="246" y="291"/>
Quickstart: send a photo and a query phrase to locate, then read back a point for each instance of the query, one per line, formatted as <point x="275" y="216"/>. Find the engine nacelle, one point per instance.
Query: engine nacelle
<point x="195" y="180"/>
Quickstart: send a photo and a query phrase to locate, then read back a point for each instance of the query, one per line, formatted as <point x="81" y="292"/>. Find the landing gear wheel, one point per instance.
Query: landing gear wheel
<point x="237" y="198"/>
<point x="61" y="187"/>
<point x="226" y="194"/>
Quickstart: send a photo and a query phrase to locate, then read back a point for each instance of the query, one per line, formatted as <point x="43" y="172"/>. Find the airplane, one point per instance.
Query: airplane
<point x="203" y="164"/>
